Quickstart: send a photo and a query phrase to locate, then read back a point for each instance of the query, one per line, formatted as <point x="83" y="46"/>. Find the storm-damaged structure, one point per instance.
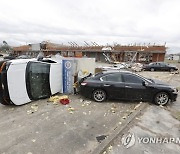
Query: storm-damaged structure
<point x="119" y="53"/>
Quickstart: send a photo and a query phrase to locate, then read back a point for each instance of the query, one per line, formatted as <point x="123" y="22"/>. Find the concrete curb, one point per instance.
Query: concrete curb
<point x="114" y="134"/>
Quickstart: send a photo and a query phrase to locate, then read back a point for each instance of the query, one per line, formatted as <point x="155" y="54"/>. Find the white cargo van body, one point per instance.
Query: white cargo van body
<point x="16" y="77"/>
<point x="29" y="79"/>
<point x="56" y="78"/>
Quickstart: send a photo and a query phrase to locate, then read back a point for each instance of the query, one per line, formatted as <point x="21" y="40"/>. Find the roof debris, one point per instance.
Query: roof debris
<point x="81" y="100"/>
<point x="64" y="99"/>
<point x="110" y="148"/>
<point x="84" y="113"/>
<point x="113" y="110"/>
<point x="87" y="102"/>
<point x="71" y="110"/>
<point x="33" y="140"/>
<point x="104" y="152"/>
<point x="138" y="105"/>
<point x="34" y="108"/>
<point x="101" y="137"/>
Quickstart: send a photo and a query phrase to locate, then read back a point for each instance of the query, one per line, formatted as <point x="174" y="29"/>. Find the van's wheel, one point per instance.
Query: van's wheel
<point x="99" y="95"/>
<point x="161" y="98"/>
<point x="152" y="69"/>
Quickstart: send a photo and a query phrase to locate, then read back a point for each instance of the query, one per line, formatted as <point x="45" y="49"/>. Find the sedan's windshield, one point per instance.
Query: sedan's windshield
<point x="38" y="80"/>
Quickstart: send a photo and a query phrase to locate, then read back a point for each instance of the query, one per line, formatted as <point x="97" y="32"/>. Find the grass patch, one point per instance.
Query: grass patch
<point x="171" y="61"/>
<point x="177" y="115"/>
<point x="178" y="88"/>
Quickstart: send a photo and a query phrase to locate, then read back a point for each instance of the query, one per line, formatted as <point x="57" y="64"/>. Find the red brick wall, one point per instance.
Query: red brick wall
<point x="158" y="57"/>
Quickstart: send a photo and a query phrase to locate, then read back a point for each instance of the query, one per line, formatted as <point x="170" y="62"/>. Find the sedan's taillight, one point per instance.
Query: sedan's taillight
<point x="83" y="83"/>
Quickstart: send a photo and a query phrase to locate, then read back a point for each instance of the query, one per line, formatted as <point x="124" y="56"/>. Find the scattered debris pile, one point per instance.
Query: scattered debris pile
<point x="71" y="110"/>
<point x="64" y="99"/>
<point x="34" y="108"/>
<point x="137" y="67"/>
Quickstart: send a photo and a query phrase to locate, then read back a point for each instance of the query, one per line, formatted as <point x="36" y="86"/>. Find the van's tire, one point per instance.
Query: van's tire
<point x="161" y="98"/>
<point x="99" y="95"/>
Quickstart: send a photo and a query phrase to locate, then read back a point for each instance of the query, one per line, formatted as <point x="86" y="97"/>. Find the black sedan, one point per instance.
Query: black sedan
<point x="127" y="86"/>
<point x="160" y="66"/>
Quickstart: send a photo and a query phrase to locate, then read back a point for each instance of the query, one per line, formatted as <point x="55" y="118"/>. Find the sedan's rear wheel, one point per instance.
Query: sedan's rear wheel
<point x="152" y="69"/>
<point x="162" y="98"/>
<point x="99" y="95"/>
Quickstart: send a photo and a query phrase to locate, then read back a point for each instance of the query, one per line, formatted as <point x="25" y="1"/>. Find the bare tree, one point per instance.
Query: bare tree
<point x="5" y="47"/>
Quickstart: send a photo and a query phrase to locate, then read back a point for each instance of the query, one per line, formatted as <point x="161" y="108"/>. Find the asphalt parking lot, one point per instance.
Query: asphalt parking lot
<point x="155" y="132"/>
<point x="155" y="122"/>
<point x="46" y="127"/>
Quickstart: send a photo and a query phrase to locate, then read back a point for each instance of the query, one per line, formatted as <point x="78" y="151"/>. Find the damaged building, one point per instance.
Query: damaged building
<point x="119" y="53"/>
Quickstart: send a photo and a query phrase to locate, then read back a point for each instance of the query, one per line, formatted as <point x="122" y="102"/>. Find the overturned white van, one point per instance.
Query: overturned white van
<point x="24" y="80"/>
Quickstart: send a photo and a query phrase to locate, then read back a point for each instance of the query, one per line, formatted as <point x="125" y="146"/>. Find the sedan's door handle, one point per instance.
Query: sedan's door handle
<point x="128" y="87"/>
<point x="107" y="85"/>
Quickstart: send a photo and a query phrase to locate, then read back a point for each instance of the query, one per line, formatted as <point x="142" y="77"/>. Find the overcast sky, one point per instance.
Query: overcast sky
<point x="102" y="21"/>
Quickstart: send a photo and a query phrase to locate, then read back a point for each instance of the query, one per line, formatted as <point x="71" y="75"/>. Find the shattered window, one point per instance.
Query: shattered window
<point x="38" y="79"/>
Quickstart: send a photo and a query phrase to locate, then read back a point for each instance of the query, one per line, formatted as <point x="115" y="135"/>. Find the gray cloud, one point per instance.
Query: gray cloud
<point x="102" y="21"/>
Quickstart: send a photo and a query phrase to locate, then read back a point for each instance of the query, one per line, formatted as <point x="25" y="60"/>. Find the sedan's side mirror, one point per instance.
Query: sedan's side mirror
<point x="144" y="83"/>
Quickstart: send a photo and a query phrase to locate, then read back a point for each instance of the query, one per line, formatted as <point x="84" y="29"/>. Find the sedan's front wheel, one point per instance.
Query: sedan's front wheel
<point x="171" y="70"/>
<point x="162" y="98"/>
<point x="152" y="69"/>
<point x="99" y="95"/>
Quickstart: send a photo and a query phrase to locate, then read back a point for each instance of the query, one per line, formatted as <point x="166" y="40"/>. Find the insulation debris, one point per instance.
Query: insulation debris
<point x="62" y="99"/>
<point x="71" y="110"/>
<point x="33" y="140"/>
<point x="54" y="99"/>
<point x="84" y="113"/>
<point x="87" y="102"/>
<point x="110" y="148"/>
<point x="34" y="108"/>
<point x="30" y="112"/>
<point x="81" y="100"/>
<point x="124" y="117"/>
<point x="113" y="110"/>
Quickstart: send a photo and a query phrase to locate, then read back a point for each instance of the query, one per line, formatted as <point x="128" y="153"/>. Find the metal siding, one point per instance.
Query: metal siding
<point x="35" y="47"/>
